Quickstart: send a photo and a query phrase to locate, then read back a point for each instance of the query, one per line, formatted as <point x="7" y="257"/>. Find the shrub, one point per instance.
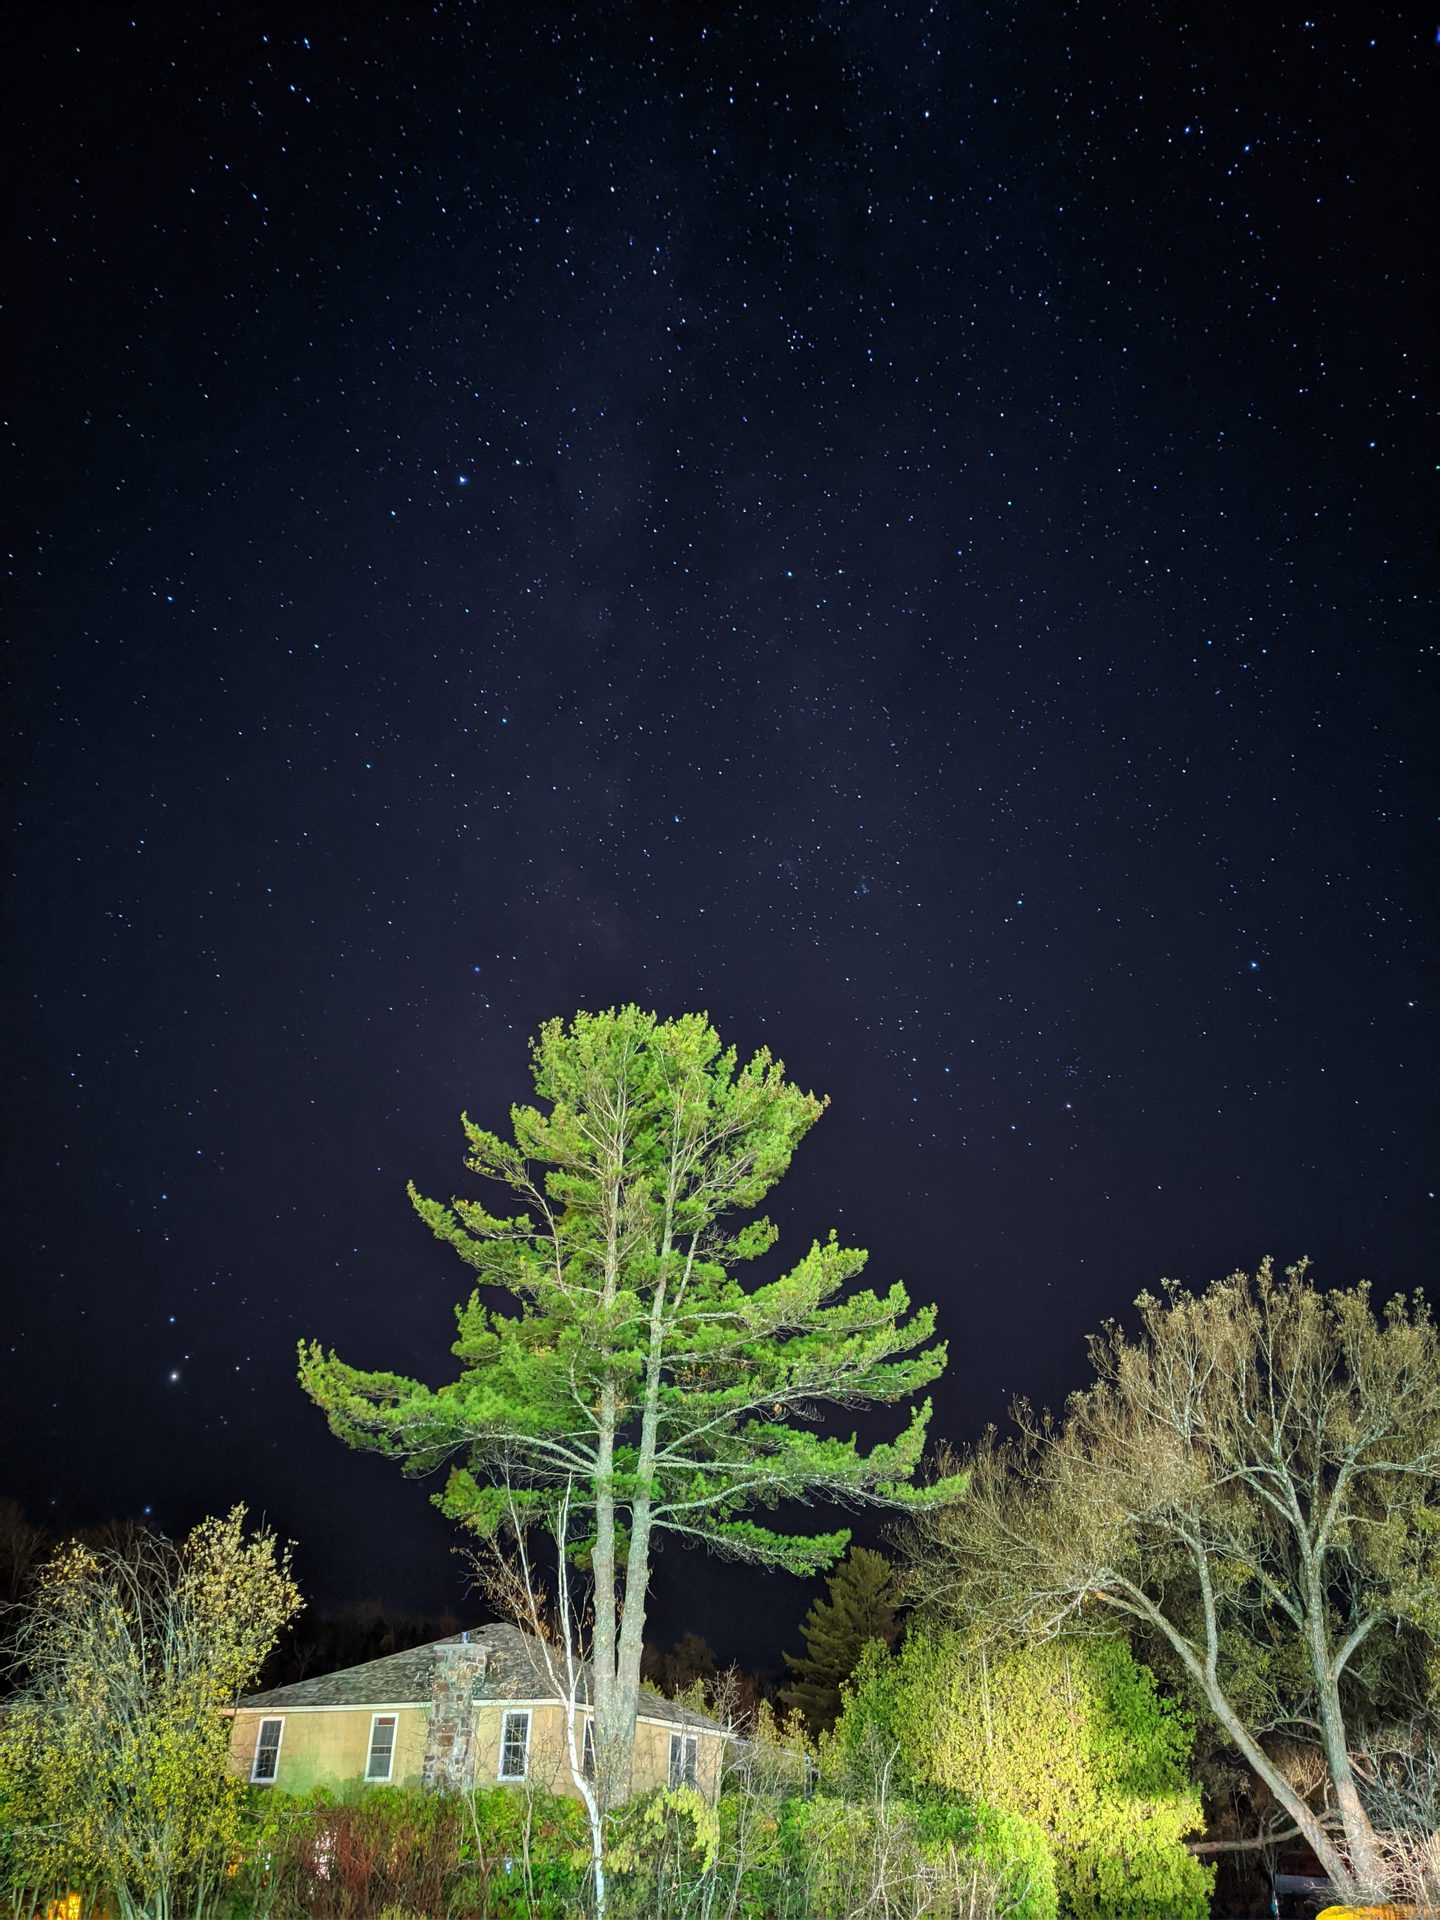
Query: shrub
<point x="487" y="1856"/>
<point x="1073" y="1737"/>
<point x="1007" y="1855"/>
<point x="113" y="1757"/>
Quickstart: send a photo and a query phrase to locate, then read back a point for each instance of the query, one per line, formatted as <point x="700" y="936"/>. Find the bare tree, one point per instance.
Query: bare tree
<point x="1400" y="1780"/>
<point x="558" y="1634"/>
<point x="1250" y="1482"/>
<point x="23" y="1546"/>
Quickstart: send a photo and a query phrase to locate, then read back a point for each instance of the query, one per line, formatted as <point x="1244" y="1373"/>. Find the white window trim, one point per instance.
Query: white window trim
<point x="389" y="1772"/>
<point x="513" y="1713"/>
<point x="267" y="1779"/>
<point x="680" y="1775"/>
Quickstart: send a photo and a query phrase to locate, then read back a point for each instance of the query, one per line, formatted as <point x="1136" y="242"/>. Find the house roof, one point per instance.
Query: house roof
<point x="515" y="1669"/>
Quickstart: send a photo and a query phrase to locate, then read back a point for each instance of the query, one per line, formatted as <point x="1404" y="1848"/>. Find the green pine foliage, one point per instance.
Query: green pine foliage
<point x="617" y="1381"/>
<point x="1071" y="1735"/>
<point x="620" y="1272"/>
<point x="836" y="1632"/>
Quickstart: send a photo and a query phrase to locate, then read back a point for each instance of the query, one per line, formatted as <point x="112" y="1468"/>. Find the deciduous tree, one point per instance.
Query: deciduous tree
<point x="113" y="1761"/>
<point x="1251" y="1481"/>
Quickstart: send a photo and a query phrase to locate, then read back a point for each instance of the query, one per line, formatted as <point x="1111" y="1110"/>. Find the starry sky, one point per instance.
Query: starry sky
<point x="898" y="525"/>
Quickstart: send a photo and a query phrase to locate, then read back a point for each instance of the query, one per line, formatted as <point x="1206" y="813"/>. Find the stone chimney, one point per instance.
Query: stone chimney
<point x="449" y="1764"/>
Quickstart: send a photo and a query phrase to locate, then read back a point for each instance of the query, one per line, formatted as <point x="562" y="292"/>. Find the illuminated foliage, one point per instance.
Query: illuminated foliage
<point x="113" y="1762"/>
<point x="1251" y="1483"/>
<point x="1073" y="1737"/>
<point x="631" y="1381"/>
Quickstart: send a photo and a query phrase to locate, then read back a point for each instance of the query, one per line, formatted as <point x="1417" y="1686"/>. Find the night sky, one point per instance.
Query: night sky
<point x="904" y="527"/>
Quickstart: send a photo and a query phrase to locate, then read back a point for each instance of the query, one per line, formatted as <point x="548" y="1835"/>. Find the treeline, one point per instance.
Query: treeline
<point x="1227" y="1541"/>
<point x="1009" y="1717"/>
<point x="1069" y="1789"/>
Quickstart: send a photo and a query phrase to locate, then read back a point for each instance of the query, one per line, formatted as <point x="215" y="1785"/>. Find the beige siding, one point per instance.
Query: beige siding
<point x="652" y="1757"/>
<point x="329" y="1748"/>
<point x="549" y="1758"/>
<point x="549" y="1762"/>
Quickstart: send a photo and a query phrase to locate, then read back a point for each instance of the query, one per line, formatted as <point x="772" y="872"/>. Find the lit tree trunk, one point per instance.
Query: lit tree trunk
<point x="1204" y="1673"/>
<point x="609" y="1716"/>
<point x="614" y="1727"/>
<point x="632" y="1626"/>
<point x="1366" y="1864"/>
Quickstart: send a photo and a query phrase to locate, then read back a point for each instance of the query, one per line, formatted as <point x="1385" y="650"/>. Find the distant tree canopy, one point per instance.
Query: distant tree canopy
<point x="1071" y="1736"/>
<point x="678" y="1668"/>
<point x="837" y="1631"/>
<point x="1252" y="1484"/>
<point x="631" y="1382"/>
<point x="364" y="1630"/>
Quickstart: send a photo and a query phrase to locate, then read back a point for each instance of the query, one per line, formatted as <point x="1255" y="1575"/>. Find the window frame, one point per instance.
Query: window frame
<point x="258" y="1779"/>
<point x="521" y="1714"/>
<point x="683" y="1744"/>
<point x="379" y="1779"/>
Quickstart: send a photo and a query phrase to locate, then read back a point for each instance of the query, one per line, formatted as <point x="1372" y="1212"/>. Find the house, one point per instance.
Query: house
<point x="476" y="1710"/>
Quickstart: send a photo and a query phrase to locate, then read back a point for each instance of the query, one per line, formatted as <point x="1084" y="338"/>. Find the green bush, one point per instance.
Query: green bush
<point x="1072" y="1737"/>
<point x="1005" y="1852"/>
<point x="765" y="1855"/>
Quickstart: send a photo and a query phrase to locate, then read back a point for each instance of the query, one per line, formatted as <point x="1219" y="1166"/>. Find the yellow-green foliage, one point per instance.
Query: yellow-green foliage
<point x="1072" y="1735"/>
<point x="663" y="1852"/>
<point x="1020" y="1862"/>
<point x="113" y="1772"/>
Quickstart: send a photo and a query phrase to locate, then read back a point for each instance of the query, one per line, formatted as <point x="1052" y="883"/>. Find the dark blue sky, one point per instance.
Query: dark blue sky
<point x="898" y="525"/>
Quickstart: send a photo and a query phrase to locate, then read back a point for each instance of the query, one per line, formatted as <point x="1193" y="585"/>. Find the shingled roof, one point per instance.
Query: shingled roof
<point x="514" y="1670"/>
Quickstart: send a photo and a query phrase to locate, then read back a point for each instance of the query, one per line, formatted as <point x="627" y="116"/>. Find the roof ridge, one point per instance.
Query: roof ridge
<point x="406" y="1677"/>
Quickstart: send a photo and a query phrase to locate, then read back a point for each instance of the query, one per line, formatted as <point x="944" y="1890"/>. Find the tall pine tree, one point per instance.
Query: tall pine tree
<point x="616" y="1381"/>
<point x="837" y="1631"/>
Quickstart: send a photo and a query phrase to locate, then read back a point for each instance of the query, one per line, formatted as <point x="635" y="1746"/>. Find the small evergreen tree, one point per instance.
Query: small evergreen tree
<point x="689" y="1663"/>
<point x="837" y="1631"/>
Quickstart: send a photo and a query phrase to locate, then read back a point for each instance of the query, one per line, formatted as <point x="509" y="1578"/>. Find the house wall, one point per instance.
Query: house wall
<point x="549" y="1760"/>
<point x="652" y="1757"/>
<point x="328" y="1747"/>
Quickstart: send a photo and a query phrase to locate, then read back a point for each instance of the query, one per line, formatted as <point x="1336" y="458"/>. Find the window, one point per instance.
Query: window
<point x="587" y="1750"/>
<point x="382" y="1747"/>
<point x="684" y="1755"/>
<point x="514" y="1744"/>
<point x="266" y="1763"/>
